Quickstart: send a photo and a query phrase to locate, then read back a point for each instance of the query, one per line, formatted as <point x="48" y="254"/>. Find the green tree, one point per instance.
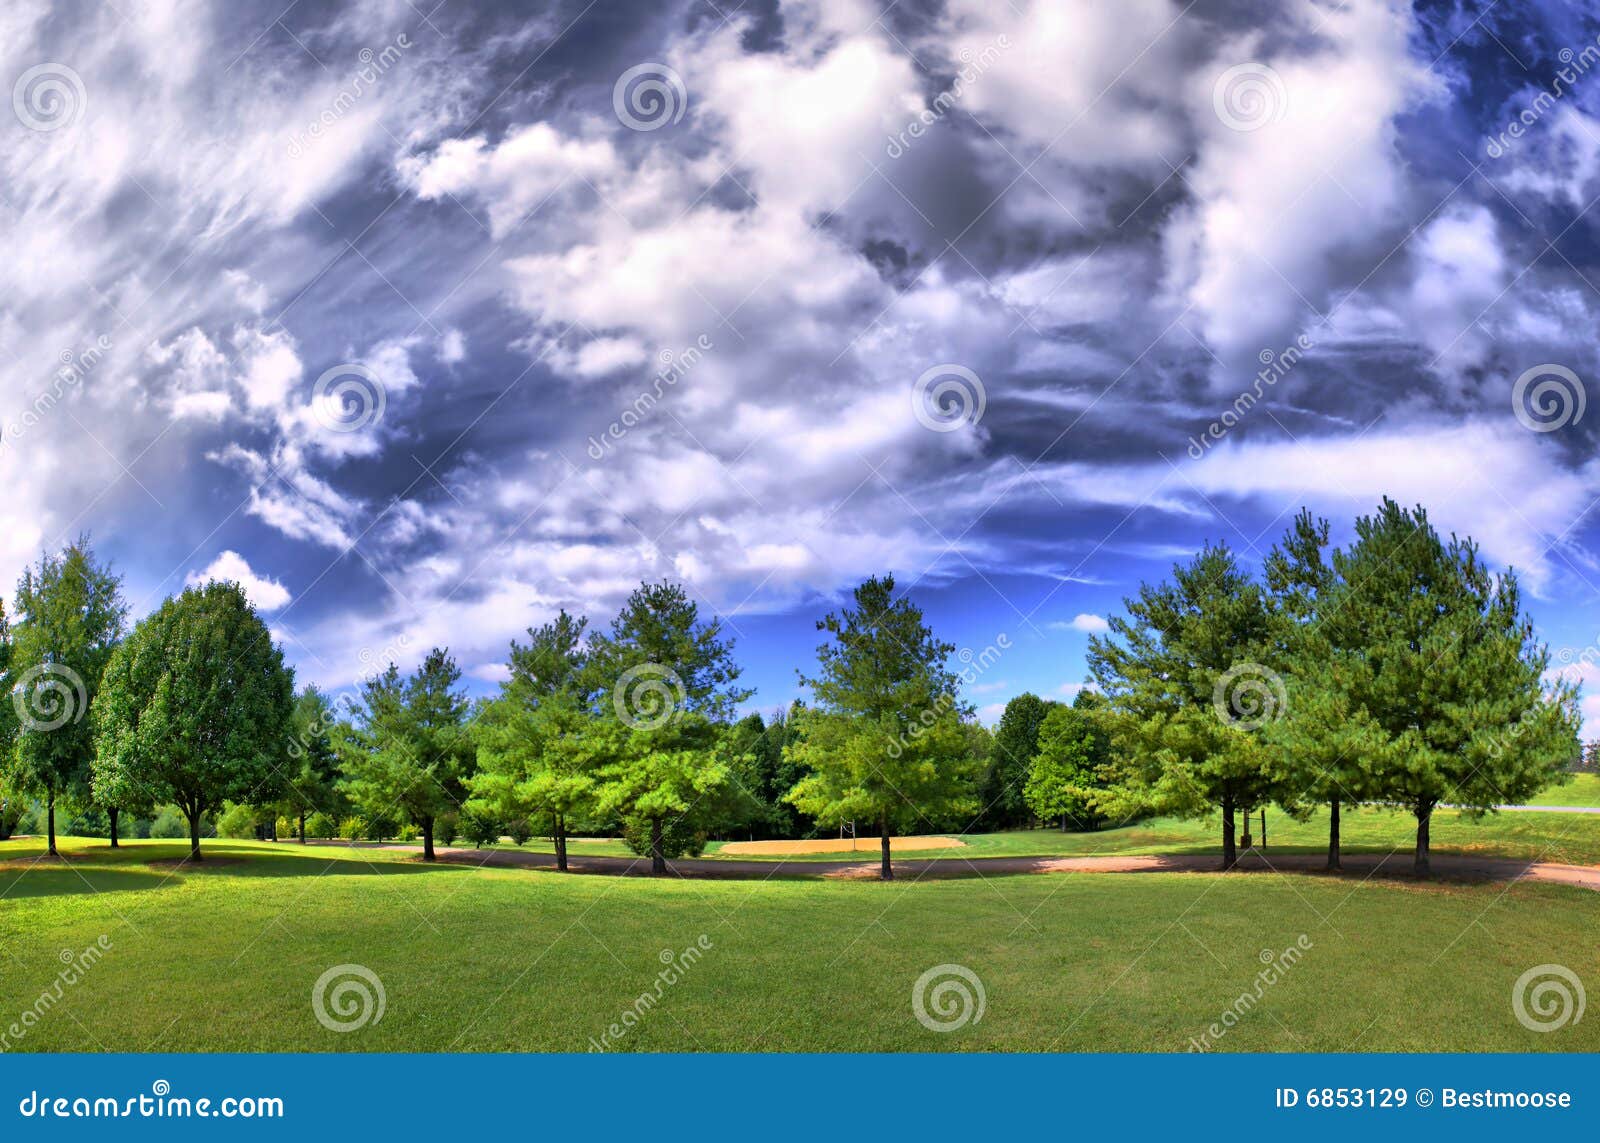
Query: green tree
<point x="412" y="753"/>
<point x="535" y="753"/>
<point x="70" y="614"/>
<point x="194" y="708"/>
<point x="1066" y="774"/>
<point x="1187" y="693"/>
<point x="1016" y="741"/>
<point x="665" y="685"/>
<point x="885" y="742"/>
<point x="312" y="785"/>
<point x="1436" y="659"/>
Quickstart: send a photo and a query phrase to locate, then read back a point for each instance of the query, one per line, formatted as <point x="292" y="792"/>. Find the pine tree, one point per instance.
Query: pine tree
<point x="1187" y="694"/>
<point x="885" y="742"/>
<point x="1016" y="741"/>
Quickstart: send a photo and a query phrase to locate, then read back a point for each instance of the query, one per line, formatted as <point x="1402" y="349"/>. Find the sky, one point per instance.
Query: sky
<point x="424" y="320"/>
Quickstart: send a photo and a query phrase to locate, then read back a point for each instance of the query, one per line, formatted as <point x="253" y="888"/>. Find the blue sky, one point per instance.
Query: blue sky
<point x="953" y="290"/>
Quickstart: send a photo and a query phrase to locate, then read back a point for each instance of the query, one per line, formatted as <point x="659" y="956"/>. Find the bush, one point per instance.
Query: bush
<point x="239" y="821"/>
<point x="321" y="825"/>
<point x="445" y="829"/>
<point x="169" y="823"/>
<point x="479" y="830"/>
<point x="352" y="829"/>
<point x="377" y="829"/>
<point x="679" y="837"/>
<point x="519" y="830"/>
<point x="408" y="832"/>
<point x="12" y="812"/>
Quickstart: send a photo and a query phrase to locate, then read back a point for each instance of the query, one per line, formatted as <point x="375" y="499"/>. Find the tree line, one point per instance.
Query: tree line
<point x="1395" y="671"/>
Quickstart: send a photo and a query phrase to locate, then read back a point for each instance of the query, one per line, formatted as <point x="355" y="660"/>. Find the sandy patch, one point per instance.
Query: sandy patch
<point x="862" y="845"/>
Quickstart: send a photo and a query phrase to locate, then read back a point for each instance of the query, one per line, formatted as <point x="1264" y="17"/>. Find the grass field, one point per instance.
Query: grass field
<point x="225" y="957"/>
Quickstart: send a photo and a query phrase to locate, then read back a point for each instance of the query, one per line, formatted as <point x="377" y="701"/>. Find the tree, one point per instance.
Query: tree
<point x="312" y="785"/>
<point x="1016" y="741"/>
<point x="194" y="708"/>
<point x="885" y="742"/>
<point x="534" y="755"/>
<point x="70" y="614"/>
<point x="412" y="753"/>
<point x="665" y="687"/>
<point x="1325" y="746"/>
<point x="1187" y="692"/>
<point x="1438" y="660"/>
<point x="1067" y="767"/>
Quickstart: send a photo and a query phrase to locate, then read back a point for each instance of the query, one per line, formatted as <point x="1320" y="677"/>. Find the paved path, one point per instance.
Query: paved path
<point x="1356" y="865"/>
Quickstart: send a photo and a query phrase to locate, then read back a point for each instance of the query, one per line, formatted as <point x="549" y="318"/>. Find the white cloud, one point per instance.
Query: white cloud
<point x="265" y="592"/>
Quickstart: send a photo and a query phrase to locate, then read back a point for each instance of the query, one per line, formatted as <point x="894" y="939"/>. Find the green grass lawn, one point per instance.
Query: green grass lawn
<point x="1583" y="790"/>
<point x="225" y="957"/>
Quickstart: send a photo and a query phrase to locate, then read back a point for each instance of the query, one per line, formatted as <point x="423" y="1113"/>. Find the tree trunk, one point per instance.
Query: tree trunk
<point x="561" y="843"/>
<point x="1422" y="867"/>
<point x="427" y="839"/>
<point x="1263" y="829"/>
<point x="1230" y="853"/>
<point x="658" y="860"/>
<point x="1245" y="842"/>
<point x="194" y="834"/>
<point x="112" y="814"/>
<point x="886" y="873"/>
<point x="1063" y="823"/>
<point x="302" y="827"/>
<point x="1333" y="834"/>
<point x="50" y="798"/>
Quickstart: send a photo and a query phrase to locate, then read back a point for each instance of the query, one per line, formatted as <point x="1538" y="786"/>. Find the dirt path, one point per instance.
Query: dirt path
<point x="1360" y="865"/>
